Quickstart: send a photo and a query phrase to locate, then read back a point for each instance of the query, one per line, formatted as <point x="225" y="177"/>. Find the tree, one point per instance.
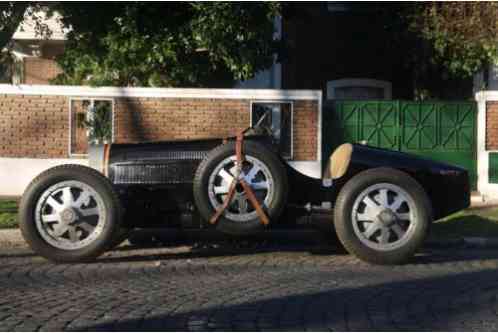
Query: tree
<point x="166" y="44"/>
<point x="11" y="15"/>
<point x="463" y="35"/>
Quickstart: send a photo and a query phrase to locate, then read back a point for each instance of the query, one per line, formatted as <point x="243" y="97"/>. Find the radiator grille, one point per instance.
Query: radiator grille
<point x="166" y="155"/>
<point x="167" y="173"/>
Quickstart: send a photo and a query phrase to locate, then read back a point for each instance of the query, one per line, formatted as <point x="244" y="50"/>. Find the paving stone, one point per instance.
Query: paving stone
<point x="273" y="289"/>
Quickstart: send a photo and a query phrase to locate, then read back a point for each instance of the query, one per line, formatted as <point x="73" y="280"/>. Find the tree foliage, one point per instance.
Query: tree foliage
<point x="463" y="35"/>
<point x="155" y="43"/>
<point x="166" y="44"/>
<point x="205" y="43"/>
<point x="99" y="122"/>
<point x="11" y="14"/>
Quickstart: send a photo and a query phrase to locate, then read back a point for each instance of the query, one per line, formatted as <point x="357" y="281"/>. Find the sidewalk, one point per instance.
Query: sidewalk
<point x="12" y="238"/>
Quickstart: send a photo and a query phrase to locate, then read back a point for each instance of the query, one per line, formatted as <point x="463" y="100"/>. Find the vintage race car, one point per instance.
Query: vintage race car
<point x="379" y="202"/>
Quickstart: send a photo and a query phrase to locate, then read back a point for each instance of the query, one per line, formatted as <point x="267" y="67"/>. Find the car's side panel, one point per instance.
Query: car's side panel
<point x="157" y="177"/>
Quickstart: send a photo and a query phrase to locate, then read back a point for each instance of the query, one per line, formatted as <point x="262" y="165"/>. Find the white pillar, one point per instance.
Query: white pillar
<point x="488" y="191"/>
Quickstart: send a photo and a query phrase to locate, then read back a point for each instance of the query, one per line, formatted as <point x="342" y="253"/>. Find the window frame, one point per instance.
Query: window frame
<point x="291" y="103"/>
<point x="386" y="86"/>
<point x="92" y="101"/>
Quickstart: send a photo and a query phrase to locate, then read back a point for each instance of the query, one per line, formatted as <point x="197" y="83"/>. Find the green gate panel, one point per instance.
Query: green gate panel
<point x="352" y="121"/>
<point x="493" y="168"/>
<point x="458" y="126"/>
<point x="442" y="131"/>
<point x="379" y="124"/>
<point x="418" y="126"/>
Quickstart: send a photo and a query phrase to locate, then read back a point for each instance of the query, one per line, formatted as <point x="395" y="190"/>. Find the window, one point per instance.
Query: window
<point x="359" y="93"/>
<point x="359" y="89"/>
<point x="279" y="120"/>
<point x="338" y="6"/>
<point x="91" y="124"/>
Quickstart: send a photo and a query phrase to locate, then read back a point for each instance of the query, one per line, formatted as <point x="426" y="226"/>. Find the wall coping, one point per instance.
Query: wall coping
<point x="85" y="91"/>
<point x="487" y="95"/>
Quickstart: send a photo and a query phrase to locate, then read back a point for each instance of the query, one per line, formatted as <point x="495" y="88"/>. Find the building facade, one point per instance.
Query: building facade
<point x="35" y="54"/>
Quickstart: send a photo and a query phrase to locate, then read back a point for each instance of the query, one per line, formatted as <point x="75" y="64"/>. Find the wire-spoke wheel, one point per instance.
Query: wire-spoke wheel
<point x="70" y="213"/>
<point x="262" y="170"/>
<point x="382" y="216"/>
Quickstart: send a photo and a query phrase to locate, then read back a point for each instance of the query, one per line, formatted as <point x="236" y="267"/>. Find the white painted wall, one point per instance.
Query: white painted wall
<point x="17" y="173"/>
<point x="27" y="29"/>
<point x="487" y="190"/>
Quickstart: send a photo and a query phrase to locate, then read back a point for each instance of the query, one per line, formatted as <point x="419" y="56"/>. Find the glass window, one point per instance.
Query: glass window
<point x="278" y="120"/>
<point x="359" y="93"/>
<point x="91" y="124"/>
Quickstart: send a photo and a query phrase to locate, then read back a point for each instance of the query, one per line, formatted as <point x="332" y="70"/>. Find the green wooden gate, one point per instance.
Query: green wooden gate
<point x="443" y="131"/>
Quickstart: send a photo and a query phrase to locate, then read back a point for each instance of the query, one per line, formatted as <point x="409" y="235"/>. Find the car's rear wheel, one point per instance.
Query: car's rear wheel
<point x="70" y="213"/>
<point x="382" y="216"/>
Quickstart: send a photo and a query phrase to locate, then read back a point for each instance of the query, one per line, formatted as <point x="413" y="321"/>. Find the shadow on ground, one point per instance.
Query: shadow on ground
<point x="464" y="301"/>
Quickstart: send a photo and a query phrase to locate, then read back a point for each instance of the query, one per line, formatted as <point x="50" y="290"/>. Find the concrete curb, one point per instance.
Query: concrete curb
<point x="12" y="238"/>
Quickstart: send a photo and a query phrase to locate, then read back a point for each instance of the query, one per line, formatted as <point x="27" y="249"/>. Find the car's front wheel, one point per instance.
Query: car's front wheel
<point x="70" y="213"/>
<point x="382" y="216"/>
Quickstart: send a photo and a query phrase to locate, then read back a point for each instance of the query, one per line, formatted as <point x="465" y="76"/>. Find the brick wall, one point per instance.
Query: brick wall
<point x="305" y="130"/>
<point x="38" y="126"/>
<point x="34" y="126"/>
<point x="492" y="126"/>
<point x="152" y="119"/>
<point x="79" y="140"/>
<point x="39" y="70"/>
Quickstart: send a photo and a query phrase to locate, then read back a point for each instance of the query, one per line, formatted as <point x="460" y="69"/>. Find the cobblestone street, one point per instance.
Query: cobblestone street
<point x="268" y="289"/>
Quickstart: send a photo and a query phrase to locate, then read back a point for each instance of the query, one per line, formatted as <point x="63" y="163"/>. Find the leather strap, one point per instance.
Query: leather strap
<point x="252" y="198"/>
<point x="239" y="155"/>
<point x="225" y="204"/>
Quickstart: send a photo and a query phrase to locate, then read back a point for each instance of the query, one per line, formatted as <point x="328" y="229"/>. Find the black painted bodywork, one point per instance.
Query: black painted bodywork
<point x="155" y="181"/>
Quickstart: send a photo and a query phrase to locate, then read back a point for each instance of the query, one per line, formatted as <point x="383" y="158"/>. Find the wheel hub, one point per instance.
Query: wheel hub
<point x="387" y="217"/>
<point x="68" y="216"/>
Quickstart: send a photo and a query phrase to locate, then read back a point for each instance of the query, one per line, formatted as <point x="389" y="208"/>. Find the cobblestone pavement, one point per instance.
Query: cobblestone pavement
<point x="263" y="289"/>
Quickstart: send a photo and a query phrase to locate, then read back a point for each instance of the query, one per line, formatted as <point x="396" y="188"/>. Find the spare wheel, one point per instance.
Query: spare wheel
<point x="262" y="170"/>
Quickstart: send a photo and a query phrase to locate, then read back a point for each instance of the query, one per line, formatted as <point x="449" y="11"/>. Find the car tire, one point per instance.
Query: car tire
<point x="70" y="213"/>
<point x="382" y="216"/>
<point x="270" y="172"/>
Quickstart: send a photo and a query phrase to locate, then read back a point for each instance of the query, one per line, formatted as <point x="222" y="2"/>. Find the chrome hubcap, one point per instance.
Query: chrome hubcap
<point x="255" y="173"/>
<point x="384" y="217"/>
<point x="70" y="215"/>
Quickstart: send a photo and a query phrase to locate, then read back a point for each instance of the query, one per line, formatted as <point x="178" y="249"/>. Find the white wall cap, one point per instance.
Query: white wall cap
<point x="85" y="91"/>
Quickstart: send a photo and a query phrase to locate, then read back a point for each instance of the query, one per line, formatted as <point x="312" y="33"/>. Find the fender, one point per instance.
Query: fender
<point x="442" y="182"/>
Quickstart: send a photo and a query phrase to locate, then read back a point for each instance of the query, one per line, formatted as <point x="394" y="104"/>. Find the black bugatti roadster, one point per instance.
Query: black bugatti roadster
<point x="379" y="202"/>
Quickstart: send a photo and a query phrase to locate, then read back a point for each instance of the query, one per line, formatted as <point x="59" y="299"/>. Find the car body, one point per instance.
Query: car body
<point x="156" y="179"/>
